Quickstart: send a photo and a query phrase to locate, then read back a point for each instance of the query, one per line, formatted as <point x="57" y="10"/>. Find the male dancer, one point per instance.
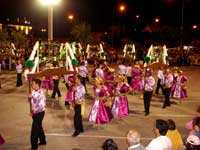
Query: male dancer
<point x="38" y="104"/>
<point x="167" y="82"/>
<point x="79" y="101"/>
<point x="148" y="83"/>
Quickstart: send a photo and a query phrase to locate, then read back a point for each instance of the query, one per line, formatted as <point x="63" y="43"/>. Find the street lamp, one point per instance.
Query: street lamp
<point x="157" y="20"/>
<point x="50" y="4"/>
<point x="194" y="27"/>
<point x="122" y="8"/>
<point x="70" y="17"/>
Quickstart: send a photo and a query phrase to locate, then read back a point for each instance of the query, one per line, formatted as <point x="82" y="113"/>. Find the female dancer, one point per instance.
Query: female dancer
<point x="99" y="114"/>
<point x="179" y="88"/>
<point x="120" y="103"/>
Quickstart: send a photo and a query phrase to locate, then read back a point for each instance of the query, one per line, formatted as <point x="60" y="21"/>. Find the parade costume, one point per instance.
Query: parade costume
<point x="179" y="89"/>
<point x="47" y="83"/>
<point x="120" y="104"/>
<point x="83" y="73"/>
<point x="79" y="108"/>
<point x="159" y="86"/>
<point x="167" y="82"/>
<point x="122" y="69"/>
<point x="19" y="69"/>
<point x="136" y="82"/>
<point x="99" y="113"/>
<point x="69" y="95"/>
<point x="148" y="83"/>
<point x="129" y="74"/>
<point x="38" y="103"/>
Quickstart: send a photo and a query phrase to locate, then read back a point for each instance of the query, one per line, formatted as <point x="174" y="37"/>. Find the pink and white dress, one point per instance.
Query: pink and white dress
<point x="136" y="82"/>
<point x="47" y="83"/>
<point x="70" y="93"/>
<point x="99" y="113"/>
<point x="178" y="89"/>
<point x="120" y="104"/>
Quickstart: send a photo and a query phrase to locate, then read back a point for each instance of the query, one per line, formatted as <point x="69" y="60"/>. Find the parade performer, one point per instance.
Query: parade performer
<point x="56" y="83"/>
<point x="99" y="113"/>
<point x="38" y="104"/>
<point x="19" y="69"/>
<point x="109" y="78"/>
<point x="148" y="84"/>
<point x="99" y="71"/>
<point x="160" y="76"/>
<point x="129" y="73"/>
<point x="83" y="73"/>
<point x="120" y="104"/>
<point x="167" y="82"/>
<point x="179" y="89"/>
<point x="47" y="82"/>
<point x="136" y="82"/>
<point x="121" y="68"/>
<point x="79" y="106"/>
<point x="69" y="96"/>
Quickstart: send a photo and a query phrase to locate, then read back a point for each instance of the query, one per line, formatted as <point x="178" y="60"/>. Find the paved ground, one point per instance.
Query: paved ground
<point x="15" y="122"/>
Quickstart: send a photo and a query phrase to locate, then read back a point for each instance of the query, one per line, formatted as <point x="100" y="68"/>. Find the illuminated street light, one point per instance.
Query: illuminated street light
<point x="157" y="20"/>
<point x="70" y="17"/>
<point x="50" y="4"/>
<point x="137" y="16"/>
<point x="122" y="8"/>
<point x="194" y="27"/>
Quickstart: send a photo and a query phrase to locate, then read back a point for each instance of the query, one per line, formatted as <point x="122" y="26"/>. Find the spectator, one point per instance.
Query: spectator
<point x="161" y="142"/>
<point x="197" y="126"/>
<point x="133" y="140"/>
<point x="109" y="144"/>
<point x="174" y="135"/>
<point x="193" y="143"/>
<point x="189" y="125"/>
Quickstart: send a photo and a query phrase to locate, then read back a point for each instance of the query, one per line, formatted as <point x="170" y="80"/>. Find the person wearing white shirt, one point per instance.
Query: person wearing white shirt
<point x="160" y="76"/>
<point x="133" y="140"/>
<point x="161" y="142"/>
<point x="148" y="84"/>
<point x="167" y="82"/>
<point x="83" y="73"/>
<point x="19" y="69"/>
<point x="129" y="70"/>
<point x="99" y="71"/>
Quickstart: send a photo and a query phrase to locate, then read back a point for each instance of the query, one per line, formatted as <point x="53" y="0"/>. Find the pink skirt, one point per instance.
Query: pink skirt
<point x="69" y="95"/>
<point x="98" y="113"/>
<point x="120" y="106"/>
<point x="136" y="84"/>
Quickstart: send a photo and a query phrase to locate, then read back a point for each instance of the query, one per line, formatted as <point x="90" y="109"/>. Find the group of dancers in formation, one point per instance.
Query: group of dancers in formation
<point x="111" y="87"/>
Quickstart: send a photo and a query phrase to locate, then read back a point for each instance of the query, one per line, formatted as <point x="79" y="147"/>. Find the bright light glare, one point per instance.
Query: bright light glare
<point x="49" y="2"/>
<point x="157" y="20"/>
<point x="122" y="8"/>
<point x="70" y="17"/>
<point x="194" y="26"/>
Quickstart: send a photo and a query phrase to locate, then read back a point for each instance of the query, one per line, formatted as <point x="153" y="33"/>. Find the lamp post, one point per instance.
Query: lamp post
<point x="50" y="4"/>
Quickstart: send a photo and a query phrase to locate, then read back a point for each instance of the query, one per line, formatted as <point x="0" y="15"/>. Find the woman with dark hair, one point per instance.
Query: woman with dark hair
<point x="174" y="135"/>
<point x="109" y="144"/>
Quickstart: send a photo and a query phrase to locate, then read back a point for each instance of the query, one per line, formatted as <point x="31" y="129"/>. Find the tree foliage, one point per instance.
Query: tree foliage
<point x="18" y="37"/>
<point x="82" y="33"/>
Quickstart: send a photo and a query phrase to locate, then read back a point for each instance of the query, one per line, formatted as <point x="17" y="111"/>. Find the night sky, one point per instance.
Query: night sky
<point x="102" y="13"/>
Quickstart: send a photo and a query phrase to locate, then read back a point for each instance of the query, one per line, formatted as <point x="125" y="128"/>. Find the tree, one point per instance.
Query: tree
<point x="18" y="37"/>
<point x="4" y="38"/>
<point x="82" y="33"/>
